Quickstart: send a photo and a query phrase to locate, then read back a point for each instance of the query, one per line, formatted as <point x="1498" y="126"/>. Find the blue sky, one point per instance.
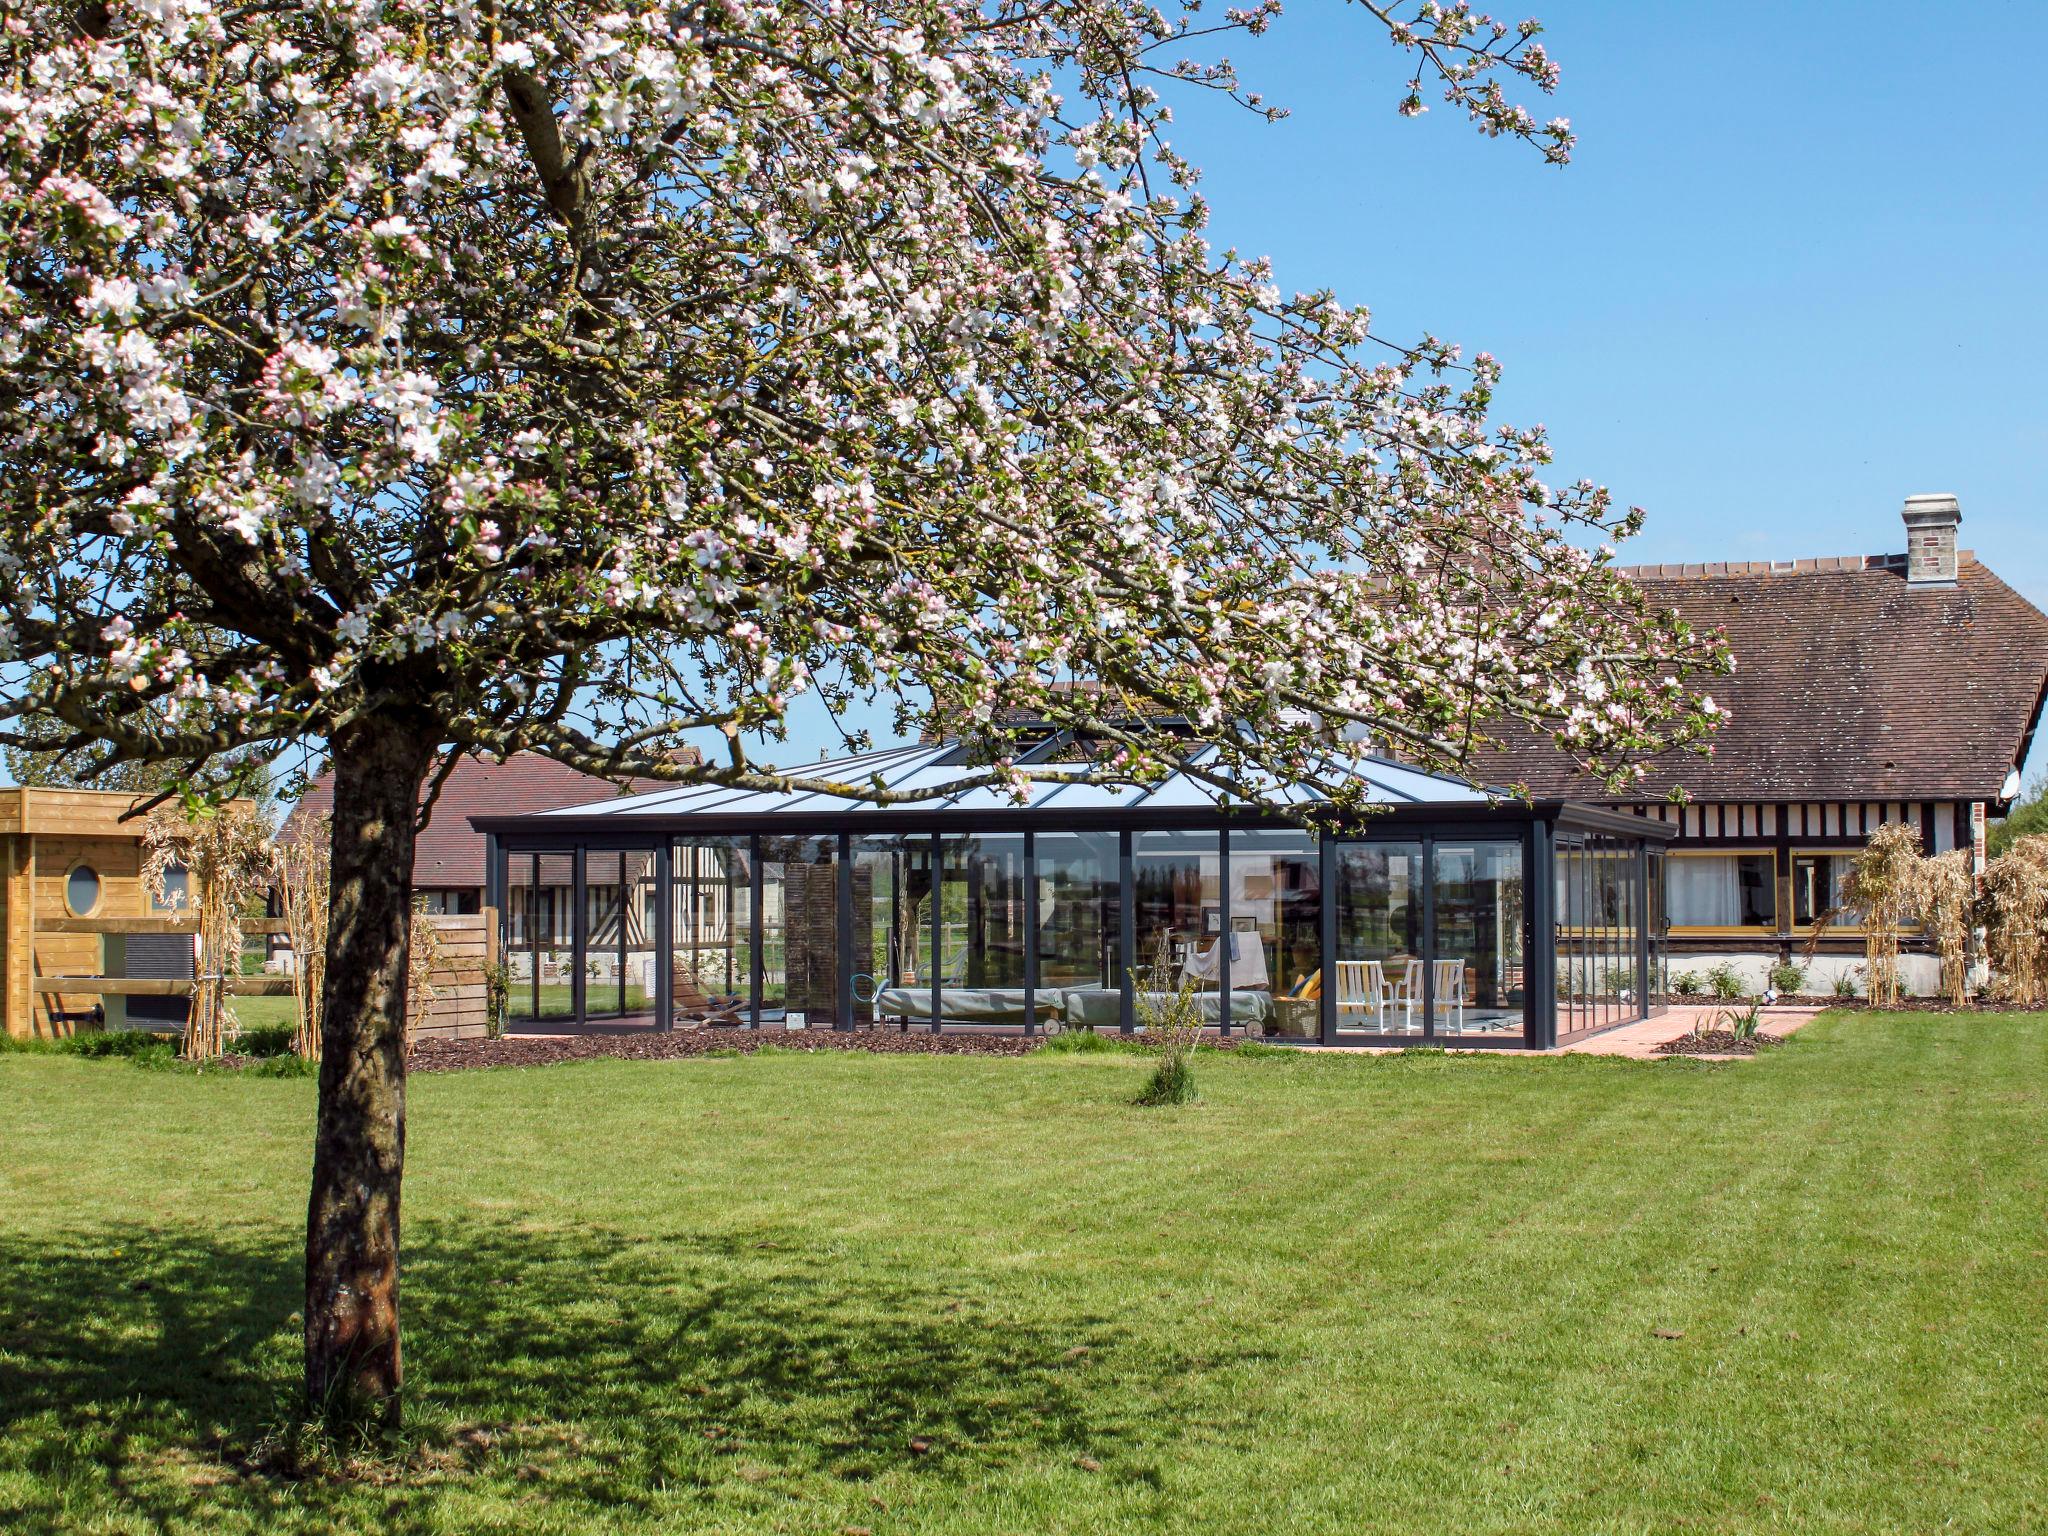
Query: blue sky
<point x="1791" y="276"/>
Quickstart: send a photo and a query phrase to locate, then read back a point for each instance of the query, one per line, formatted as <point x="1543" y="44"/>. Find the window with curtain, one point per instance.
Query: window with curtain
<point x="1818" y="881"/>
<point x="1721" y="890"/>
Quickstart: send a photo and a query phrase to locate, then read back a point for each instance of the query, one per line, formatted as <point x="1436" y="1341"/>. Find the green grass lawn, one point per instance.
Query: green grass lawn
<point x="1401" y="1293"/>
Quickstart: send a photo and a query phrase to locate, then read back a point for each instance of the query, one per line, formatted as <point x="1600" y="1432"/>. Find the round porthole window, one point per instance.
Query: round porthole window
<point x="82" y="890"/>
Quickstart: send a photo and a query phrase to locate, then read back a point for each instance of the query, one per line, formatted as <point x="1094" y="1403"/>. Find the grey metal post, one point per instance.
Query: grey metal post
<point x="1642" y="862"/>
<point x="1126" y="935"/>
<point x="1030" y="933"/>
<point x="1428" y="875"/>
<point x="843" y="987"/>
<point x="1539" y="970"/>
<point x="1326" y="871"/>
<point x="664" y="936"/>
<point x="1227" y="936"/>
<point x="755" y="960"/>
<point x="938" y="937"/>
<point x="579" y="903"/>
<point x="494" y="883"/>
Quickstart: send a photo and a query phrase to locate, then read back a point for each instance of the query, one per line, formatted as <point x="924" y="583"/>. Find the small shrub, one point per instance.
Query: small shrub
<point x="1743" y="1023"/>
<point x="1687" y="984"/>
<point x="1171" y="1012"/>
<point x="497" y="999"/>
<point x="1787" y="979"/>
<point x="1172" y="1082"/>
<point x="1725" y="982"/>
<point x="265" y="1040"/>
<point x="286" y="1063"/>
<point x="1617" y="981"/>
<point x="1845" y="984"/>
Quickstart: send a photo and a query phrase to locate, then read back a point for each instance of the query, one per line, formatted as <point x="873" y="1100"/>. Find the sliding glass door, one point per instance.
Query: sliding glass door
<point x="1431" y="939"/>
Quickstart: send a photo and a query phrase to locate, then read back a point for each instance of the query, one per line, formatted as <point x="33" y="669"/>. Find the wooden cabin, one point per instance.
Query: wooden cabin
<point x="70" y="882"/>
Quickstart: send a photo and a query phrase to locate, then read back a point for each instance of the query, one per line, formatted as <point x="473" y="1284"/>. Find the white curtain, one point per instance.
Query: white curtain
<point x="1704" y="892"/>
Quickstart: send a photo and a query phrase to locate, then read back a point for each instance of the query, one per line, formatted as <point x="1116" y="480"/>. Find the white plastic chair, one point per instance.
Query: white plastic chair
<point x="1447" y="983"/>
<point x="1362" y="987"/>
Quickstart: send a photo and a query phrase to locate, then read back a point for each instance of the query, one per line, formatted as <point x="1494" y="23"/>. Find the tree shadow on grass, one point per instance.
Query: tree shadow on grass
<point x="583" y="1373"/>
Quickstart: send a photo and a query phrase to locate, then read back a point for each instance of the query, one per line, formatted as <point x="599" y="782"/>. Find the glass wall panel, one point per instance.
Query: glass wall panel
<point x="1079" y="927"/>
<point x="637" y="932"/>
<point x="800" y="931"/>
<point x="892" y="884"/>
<point x="1379" y="964"/>
<point x="1602" y="944"/>
<point x="1574" y="940"/>
<point x="1478" y="965"/>
<point x="522" y="914"/>
<point x="550" y="920"/>
<point x="982" y="904"/>
<point x="1176" y="883"/>
<point x="1659" y="935"/>
<point x="607" y="914"/>
<point x="710" y="893"/>
<point x="1276" y="933"/>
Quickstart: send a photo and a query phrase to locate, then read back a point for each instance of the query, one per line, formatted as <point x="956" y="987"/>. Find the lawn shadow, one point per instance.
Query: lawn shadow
<point x="139" y="1375"/>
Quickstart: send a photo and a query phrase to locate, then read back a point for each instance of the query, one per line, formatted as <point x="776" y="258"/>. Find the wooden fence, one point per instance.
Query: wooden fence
<point x="461" y="1002"/>
<point x="460" y="1005"/>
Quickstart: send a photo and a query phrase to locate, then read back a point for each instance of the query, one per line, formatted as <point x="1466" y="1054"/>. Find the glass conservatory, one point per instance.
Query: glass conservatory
<point x="1445" y="915"/>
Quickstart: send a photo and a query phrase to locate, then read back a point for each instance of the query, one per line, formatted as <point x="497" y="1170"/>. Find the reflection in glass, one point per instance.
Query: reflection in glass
<point x="1477" y="968"/>
<point x="709" y="968"/>
<point x="892" y="885"/>
<point x="1820" y="888"/>
<point x="1078" y="934"/>
<point x="1379" y="964"/>
<point x="800" y="931"/>
<point x="1276" y="928"/>
<point x="981" y="905"/>
<point x="1177" y="887"/>
<point x="1600" y="898"/>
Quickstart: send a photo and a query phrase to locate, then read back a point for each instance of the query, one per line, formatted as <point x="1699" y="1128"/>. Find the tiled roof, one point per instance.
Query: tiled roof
<point x="1849" y="685"/>
<point x="450" y="854"/>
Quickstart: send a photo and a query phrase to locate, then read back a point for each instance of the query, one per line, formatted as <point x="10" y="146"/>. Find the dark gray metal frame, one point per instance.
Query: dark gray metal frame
<point x="1537" y="826"/>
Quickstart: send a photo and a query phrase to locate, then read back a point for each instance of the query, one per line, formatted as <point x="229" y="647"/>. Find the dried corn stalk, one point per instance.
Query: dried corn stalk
<point x="2015" y="910"/>
<point x="305" y="862"/>
<point x="1883" y="881"/>
<point x="226" y="856"/>
<point x="1946" y="899"/>
<point x="1881" y="886"/>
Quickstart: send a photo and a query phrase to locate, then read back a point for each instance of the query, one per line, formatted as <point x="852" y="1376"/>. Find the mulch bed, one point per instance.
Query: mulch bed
<point x="1717" y="1042"/>
<point x="527" y="1051"/>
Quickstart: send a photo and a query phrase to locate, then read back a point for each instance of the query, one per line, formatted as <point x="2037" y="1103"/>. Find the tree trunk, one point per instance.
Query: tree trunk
<point x="352" y="1355"/>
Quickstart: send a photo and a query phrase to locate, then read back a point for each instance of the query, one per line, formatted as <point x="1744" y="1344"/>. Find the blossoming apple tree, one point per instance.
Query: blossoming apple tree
<point x="430" y="377"/>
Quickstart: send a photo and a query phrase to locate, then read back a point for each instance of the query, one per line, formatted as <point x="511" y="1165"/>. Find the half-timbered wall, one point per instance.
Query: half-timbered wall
<point x="1792" y="836"/>
<point x="1942" y="824"/>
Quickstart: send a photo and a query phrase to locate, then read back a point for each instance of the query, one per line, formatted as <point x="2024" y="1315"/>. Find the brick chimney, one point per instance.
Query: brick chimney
<point x="1931" y="540"/>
